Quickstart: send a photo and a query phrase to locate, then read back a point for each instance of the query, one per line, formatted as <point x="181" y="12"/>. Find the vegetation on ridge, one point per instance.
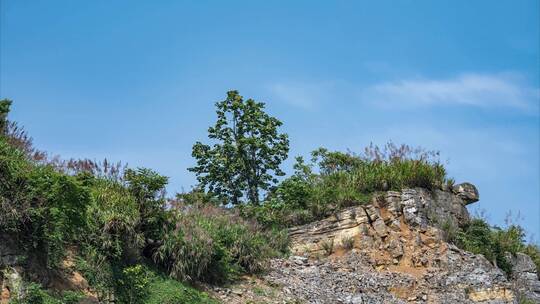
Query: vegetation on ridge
<point x="333" y="180"/>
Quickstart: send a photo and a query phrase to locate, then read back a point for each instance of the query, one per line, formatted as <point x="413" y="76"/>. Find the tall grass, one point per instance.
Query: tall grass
<point x="333" y="180"/>
<point x="211" y="244"/>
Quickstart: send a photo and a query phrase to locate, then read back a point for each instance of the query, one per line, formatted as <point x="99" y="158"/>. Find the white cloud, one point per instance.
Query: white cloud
<point x="480" y="90"/>
<point x="302" y="94"/>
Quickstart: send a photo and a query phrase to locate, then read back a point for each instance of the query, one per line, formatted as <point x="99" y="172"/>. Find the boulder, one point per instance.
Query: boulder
<point x="467" y="192"/>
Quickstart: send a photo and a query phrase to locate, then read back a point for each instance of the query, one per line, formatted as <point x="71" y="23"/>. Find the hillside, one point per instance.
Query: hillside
<point x="383" y="226"/>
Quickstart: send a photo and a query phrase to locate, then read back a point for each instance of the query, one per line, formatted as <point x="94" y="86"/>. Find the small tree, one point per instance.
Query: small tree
<point x="4" y="111"/>
<point x="247" y="151"/>
<point x="148" y="189"/>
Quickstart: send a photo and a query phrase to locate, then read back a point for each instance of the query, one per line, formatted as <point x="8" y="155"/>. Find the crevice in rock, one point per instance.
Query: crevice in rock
<point x="370" y="221"/>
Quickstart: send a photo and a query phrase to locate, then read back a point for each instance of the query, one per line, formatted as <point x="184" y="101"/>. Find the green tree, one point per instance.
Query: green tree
<point x="247" y="152"/>
<point x="4" y="111"/>
<point x="148" y="189"/>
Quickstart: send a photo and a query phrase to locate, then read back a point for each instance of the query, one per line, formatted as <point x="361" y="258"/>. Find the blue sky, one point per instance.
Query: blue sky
<point x="136" y="81"/>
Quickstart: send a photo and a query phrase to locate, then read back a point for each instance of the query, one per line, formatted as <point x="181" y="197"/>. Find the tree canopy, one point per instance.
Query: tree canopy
<point x="247" y="152"/>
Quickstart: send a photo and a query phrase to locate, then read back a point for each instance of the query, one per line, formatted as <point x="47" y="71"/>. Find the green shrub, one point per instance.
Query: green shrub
<point x="533" y="250"/>
<point x="97" y="270"/>
<point x="113" y="217"/>
<point x="328" y="246"/>
<point x="71" y="297"/>
<point x="148" y="189"/>
<point x="495" y="242"/>
<point x="478" y="237"/>
<point x="207" y="243"/>
<point x="35" y="294"/>
<point x="347" y="243"/>
<point x="132" y="287"/>
<point x="44" y="209"/>
<point x="450" y="230"/>
<point x="197" y="197"/>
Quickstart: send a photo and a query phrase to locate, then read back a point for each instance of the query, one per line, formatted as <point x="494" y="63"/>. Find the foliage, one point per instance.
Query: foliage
<point x="495" y="242"/>
<point x="390" y="168"/>
<point x="139" y="283"/>
<point x="196" y="196"/>
<point x="35" y="294"/>
<point x="148" y="189"/>
<point x="43" y="208"/>
<point x="333" y="180"/>
<point x="133" y="285"/>
<point x="207" y="243"/>
<point x="533" y="250"/>
<point x="112" y="220"/>
<point x="248" y="149"/>
<point x="478" y="237"/>
<point x="524" y="300"/>
<point x="328" y="246"/>
<point x="347" y="242"/>
<point x="5" y="104"/>
<point x="164" y="290"/>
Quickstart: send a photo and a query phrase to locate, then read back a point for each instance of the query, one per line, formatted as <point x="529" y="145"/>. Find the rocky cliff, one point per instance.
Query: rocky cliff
<point x="392" y="250"/>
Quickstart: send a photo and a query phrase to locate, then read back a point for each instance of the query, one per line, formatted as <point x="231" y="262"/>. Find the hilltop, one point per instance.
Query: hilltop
<point x="384" y="225"/>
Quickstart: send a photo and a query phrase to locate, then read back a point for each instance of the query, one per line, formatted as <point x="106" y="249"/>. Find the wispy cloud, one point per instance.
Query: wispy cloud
<point x="471" y="89"/>
<point x="302" y="94"/>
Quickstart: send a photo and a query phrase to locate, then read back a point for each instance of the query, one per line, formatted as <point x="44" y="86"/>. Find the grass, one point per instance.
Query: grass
<point x="211" y="244"/>
<point x="334" y="180"/>
<point x="164" y="290"/>
<point x="347" y="243"/>
<point x="328" y="246"/>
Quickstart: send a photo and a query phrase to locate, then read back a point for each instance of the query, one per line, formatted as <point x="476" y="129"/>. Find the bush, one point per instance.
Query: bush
<point x="44" y="209"/>
<point x="113" y="217"/>
<point x="328" y="246"/>
<point x="478" y="237"/>
<point x="148" y="189"/>
<point x="390" y="168"/>
<point x="347" y="243"/>
<point x="132" y="287"/>
<point x="495" y="242"/>
<point x="533" y="251"/>
<point x="334" y="180"/>
<point x="35" y="294"/>
<point x="211" y="244"/>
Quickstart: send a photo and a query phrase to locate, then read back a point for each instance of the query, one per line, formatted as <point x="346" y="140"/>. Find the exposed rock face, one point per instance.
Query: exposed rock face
<point x="11" y="284"/>
<point x="10" y="269"/>
<point x="398" y="255"/>
<point x="387" y="216"/>
<point x="525" y="277"/>
<point x="356" y="278"/>
<point x="15" y="264"/>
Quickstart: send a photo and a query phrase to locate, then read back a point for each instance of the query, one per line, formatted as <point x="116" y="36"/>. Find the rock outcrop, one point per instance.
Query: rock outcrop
<point x="524" y="276"/>
<point x="400" y="253"/>
<point x="467" y="192"/>
<point x="16" y="266"/>
<point x="392" y="250"/>
<point x="390" y="216"/>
